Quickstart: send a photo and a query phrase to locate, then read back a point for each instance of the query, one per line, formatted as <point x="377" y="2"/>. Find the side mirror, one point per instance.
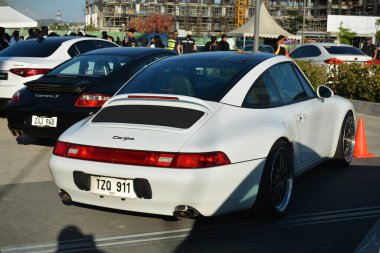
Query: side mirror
<point x="324" y="92"/>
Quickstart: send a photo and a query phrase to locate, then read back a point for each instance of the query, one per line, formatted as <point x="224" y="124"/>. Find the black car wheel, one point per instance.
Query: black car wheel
<point x="346" y="142"/>
<point x="276" y="184"/>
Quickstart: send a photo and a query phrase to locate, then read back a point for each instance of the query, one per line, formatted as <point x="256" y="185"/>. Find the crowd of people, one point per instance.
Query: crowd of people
<point x="179" y="45"/>
<point x="184" y="45"/>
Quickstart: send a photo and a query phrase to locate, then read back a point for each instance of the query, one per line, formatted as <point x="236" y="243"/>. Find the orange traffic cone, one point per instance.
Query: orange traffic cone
<point x="360" y="150"/>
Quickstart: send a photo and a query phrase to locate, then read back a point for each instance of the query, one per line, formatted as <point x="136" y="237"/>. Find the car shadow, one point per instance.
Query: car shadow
<point x="28" y="140"/>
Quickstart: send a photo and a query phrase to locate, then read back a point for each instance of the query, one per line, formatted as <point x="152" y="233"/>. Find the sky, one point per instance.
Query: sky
<point x="71" y="10"/>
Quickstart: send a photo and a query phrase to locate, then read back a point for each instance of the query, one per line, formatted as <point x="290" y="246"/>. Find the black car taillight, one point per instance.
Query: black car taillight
<point x="16" y="97"/>
<point x="91" y="100"/>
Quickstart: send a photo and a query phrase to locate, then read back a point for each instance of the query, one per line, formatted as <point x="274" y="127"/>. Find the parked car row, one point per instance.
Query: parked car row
<point x="31" y="59"/>
<point x="229" y="131"/>
<point x="46" y="107"/>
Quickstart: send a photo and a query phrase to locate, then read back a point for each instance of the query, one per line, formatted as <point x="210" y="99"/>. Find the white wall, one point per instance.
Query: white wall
<point x="362" y="25"/>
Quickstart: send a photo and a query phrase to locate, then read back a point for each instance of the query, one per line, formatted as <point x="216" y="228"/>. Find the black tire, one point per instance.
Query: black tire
<point x="276" y="183"/>
<point x="346" y="143"/>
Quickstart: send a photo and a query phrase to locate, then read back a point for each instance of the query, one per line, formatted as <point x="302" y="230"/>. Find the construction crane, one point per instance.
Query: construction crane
<point x="240" y="12"/>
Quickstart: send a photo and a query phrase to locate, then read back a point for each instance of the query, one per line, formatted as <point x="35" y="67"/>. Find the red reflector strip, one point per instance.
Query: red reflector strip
<point x="61" y="148"/>
<point x="153" y="97"/>
<point x="142" y="158"/>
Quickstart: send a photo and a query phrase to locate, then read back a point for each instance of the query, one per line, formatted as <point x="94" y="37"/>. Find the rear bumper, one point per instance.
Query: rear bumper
<point x="211" y="191"/>
<point x="3" y="103"/>
<point x="19" y="121"/>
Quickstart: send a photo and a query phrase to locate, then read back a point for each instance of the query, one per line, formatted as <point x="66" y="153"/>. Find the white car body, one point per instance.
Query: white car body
<point x="317" y="52"/>
<point x="245" y="135"/>
<point x="11" y="82"/>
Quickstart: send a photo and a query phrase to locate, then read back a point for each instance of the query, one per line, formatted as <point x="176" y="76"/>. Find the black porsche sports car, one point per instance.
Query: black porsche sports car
<point x="46" y="107"/>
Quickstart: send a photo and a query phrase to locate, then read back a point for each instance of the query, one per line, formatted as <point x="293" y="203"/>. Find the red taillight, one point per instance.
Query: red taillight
<point x="26" y="72"/>
<point x="61" y="148"/>
<point x="16" y="97"/>
<point x="333" y="61"/>
<point x="143" y="158"/>
<point x="91" y="100"/>
<point x="201" y="160"/>
<point x="153" y="97"/>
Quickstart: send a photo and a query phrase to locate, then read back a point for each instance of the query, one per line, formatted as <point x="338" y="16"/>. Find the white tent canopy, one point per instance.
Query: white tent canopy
<point x="268" y="28"/>
<point x="10" y="18"/>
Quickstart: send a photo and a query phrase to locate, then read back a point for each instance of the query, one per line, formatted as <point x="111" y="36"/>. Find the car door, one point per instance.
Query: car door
<point x="313" y="117"/>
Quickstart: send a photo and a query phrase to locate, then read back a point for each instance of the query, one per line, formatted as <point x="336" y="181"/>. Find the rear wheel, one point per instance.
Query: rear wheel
<point x="346" y="142"/>
<point x="276" y="183"/>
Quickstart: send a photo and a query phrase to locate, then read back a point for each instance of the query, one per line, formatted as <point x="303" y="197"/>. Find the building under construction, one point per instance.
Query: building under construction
<point x="203" y="16"/>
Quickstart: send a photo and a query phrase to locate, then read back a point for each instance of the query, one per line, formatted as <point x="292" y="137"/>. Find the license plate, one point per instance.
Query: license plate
<point x="3" y="76"/>
<point x="42" y="121"/>
<point x="110" y="186"/>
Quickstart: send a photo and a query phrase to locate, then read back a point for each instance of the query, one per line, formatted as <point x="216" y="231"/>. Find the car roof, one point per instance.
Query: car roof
<point x="326" y="44"/>
<point x="130" y="51"/>
<point x="226" y="56"/>
<point x="61" y="39"/>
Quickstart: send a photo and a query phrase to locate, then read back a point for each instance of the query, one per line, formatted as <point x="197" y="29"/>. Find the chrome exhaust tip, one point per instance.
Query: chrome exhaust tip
<point x="17" y="132"/>
<point x="185" y="212"/>
<point x="65" y="197"/>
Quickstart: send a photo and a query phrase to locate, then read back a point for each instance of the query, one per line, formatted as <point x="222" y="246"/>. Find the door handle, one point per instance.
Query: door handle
<point x="301" y="117"/>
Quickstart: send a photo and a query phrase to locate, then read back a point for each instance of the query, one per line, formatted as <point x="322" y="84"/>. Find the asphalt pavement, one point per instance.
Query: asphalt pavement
<point x="333" y="210"/>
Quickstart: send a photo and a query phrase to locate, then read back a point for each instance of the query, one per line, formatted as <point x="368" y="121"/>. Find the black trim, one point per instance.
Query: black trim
<point x="169" y="116"/>
<point x="142" y="188"/>
<point x="82" y="180"/>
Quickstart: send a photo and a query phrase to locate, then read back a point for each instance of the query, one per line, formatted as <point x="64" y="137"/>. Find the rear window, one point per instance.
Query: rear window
<point x="91" y="65"/>
<point x="149" y="115"/>
<point x="343" y="50"/>
<point x="208" y="80"/>
<point x="32" y="48"/>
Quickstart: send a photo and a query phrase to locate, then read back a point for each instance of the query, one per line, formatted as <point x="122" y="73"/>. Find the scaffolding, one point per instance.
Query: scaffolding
<point x="198" y="16"/>
<point x="205" y="16"/>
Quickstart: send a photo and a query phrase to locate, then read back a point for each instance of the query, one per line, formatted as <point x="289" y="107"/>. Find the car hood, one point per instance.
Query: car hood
<point x="151" y="122"/>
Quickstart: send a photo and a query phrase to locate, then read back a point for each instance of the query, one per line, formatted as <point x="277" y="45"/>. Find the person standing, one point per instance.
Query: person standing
<point x="130" y="41"/>
<point x="187" y="45"/>
<point x="280" y="48"/>
<point x="223" y="44"/>
<point x="118" y="41"/>
<point x="172" y="42"/>
<point x="3" y="42"/>
<point x="369" y="48"/>
<point x="15" y="38"/>
<point x="157" y="42"/>
<point x="211" y="45"/>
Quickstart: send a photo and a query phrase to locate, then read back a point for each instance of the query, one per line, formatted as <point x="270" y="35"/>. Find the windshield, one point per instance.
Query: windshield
<point x="32" y="48"/>
<point x="343" y="50"/>
<point x="91" y="65"/>
<point x="208" y="80"/>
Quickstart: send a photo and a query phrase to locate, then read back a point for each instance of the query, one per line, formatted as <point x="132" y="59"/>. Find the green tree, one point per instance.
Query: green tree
<point x="3" y="3"/>
<point x="345" y="35"/>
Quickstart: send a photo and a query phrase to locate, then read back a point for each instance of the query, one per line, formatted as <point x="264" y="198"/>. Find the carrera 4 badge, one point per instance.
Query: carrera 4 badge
<point x="123" y="138"/>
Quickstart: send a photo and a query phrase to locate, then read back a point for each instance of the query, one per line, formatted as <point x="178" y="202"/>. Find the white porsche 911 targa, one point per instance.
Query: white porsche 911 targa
<point x="204" y="134"/>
